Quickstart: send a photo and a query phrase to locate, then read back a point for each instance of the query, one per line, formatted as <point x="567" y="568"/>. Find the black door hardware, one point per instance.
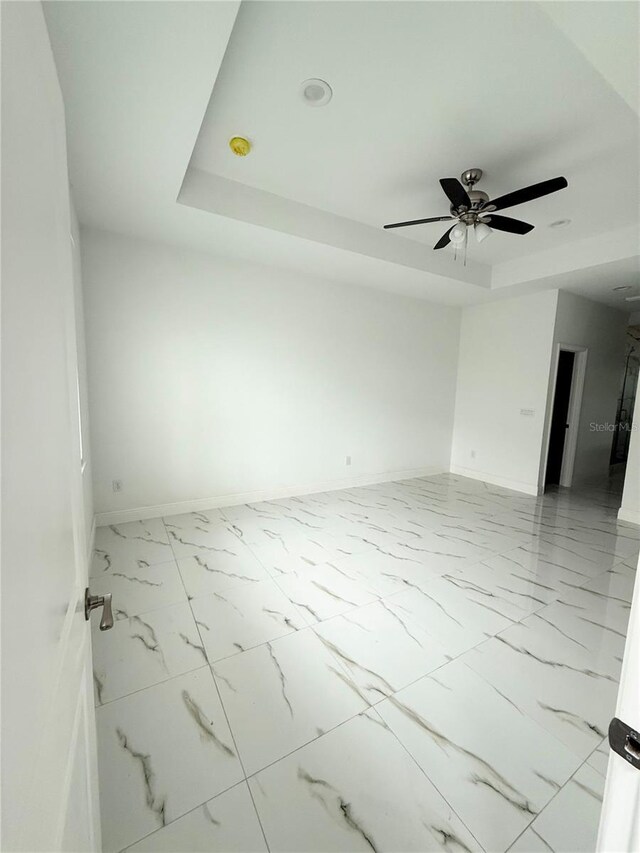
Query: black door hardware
<point x="625" y="741"/>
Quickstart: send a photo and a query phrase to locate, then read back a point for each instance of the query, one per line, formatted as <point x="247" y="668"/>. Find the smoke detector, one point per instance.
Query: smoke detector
<point x="240" y="146"/>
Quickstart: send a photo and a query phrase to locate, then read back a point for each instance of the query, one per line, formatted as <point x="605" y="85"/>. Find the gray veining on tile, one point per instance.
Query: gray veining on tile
<point x="162" y="751"/>
<point x="494" y="765"/>
<point x="355" y="789"/>
<point x="381" y="649"/>
<point x="226" y="824"/>
<point x="484" y="626"/>
<point x="139" y="588"/>
<point x="204" y="574"/>
<point x="145" y="650"/>
<point x="237" y="619"/>
<point x="300" y="689"/>
<point x="570" y="822"/>
<point x="143" y="541"/>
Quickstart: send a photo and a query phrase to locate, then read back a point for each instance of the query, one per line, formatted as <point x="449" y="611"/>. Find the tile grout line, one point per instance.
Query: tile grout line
<point x="557" y="793"/>
<point x="244" y="781"/>
<point x="371" y="706"/>
<point x="208" y="666"/>
<point x="238" y="753"/>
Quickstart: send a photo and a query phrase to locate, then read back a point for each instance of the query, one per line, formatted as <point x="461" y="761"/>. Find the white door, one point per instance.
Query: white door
<point x="620" y="817"/>
<point x="49" y="787"/>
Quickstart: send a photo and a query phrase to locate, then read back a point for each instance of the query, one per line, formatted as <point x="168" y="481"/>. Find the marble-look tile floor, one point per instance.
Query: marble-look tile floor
<point x="412" y="666"/>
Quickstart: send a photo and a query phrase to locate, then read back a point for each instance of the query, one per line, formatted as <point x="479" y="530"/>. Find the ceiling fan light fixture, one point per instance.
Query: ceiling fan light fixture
<point x="458" y="233"/>
<point x="469" y="207"/>
<point x="482" y="231"/>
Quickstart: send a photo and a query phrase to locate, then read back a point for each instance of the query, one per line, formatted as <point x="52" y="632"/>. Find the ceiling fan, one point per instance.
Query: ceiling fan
<point x="471" y="208"/>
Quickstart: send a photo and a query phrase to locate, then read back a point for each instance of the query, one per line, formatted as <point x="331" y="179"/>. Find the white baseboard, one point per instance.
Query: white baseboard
<point x="120" y="516"/>
<point x="629" y="516"/>
<point x="504" y="482"/>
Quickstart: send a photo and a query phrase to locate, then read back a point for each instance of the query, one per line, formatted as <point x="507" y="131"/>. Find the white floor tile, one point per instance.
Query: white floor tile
<point x="195" y="533"/>
<point x="569" y="824"/>
<point x="320" y="592"/>
<point x="282" y="556"/>
<point x="308" y="609"/>
<point x="217" y="571"/>
<point x="494" y="765"/>
<point x="138" y="589"/>
<point x="226" y="824"/>
<point x="551" y="679"/>
<point x="162" y="752"/>
<point x="238" y="619"/>
<point x="282" y="695"/>
<point x="599" y="758"/>
<point x="450" y="615"/>
<point x="514" y="592"/>
<point x="144" y="541"/>
<point x="381" y="650"/>
<point x="354" y="789"/>
<point x="144" y="650"/>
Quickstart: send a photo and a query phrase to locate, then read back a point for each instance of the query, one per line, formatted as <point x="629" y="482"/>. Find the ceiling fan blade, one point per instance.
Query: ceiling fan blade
<point x="418" y="221"/>
<point x="528" y="193"/>
<point x="444" y="240"/>
<point x="455" y="192"/>
<point x="505" y="223"/>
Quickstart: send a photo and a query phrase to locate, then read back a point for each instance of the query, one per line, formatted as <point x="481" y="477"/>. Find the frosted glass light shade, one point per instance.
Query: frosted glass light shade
<point x="458" y="234"/>
<point x="482" y="231"/>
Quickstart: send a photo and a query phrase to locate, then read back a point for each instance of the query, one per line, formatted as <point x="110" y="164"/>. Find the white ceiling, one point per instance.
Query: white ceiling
<point x="421" y="91"/>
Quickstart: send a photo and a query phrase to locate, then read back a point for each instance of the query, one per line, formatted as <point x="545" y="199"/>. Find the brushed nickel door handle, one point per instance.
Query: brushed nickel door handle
<point x="104" y="601"/>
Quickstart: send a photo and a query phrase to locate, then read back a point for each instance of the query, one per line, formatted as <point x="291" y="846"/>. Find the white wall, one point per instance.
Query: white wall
<point x="210" y="379"/>
<point x="602" y="330"/>
<point x="504" y="363"/>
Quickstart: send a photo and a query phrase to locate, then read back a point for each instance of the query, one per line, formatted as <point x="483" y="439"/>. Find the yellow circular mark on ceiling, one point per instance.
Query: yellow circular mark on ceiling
<point x="240" y="146"/>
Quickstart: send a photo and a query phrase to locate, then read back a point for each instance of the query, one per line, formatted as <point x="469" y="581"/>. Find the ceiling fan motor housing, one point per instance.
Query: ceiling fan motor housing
<point x="469" y="178"/>
<point x="478" y="198"/>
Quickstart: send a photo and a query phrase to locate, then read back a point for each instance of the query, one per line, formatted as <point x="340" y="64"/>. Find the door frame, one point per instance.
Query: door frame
<point x="573" y="413"/>
<point x="619" y="828"/>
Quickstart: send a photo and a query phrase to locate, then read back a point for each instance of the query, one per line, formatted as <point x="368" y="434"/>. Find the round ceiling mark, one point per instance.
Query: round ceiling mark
<point x="560" y="223"/>
<point x="315" y="92"/>
<point x="240" y="146"/>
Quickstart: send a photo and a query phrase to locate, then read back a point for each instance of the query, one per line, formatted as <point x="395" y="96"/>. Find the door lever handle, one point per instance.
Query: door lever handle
<point x="104" y="601"/>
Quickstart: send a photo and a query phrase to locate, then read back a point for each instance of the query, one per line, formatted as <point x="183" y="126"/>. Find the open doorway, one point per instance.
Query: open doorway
<point x="565" y="416"/>
<point x="626" y="400"/>
<point x="559" y="423"/>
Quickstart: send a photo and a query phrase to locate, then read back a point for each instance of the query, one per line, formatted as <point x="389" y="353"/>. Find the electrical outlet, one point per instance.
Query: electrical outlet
<point x="347" y="460"/>
<point x="116" y="485"/>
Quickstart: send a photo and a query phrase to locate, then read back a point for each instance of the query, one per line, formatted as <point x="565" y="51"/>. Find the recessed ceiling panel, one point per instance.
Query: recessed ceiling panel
<point x="422" y="91"/>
